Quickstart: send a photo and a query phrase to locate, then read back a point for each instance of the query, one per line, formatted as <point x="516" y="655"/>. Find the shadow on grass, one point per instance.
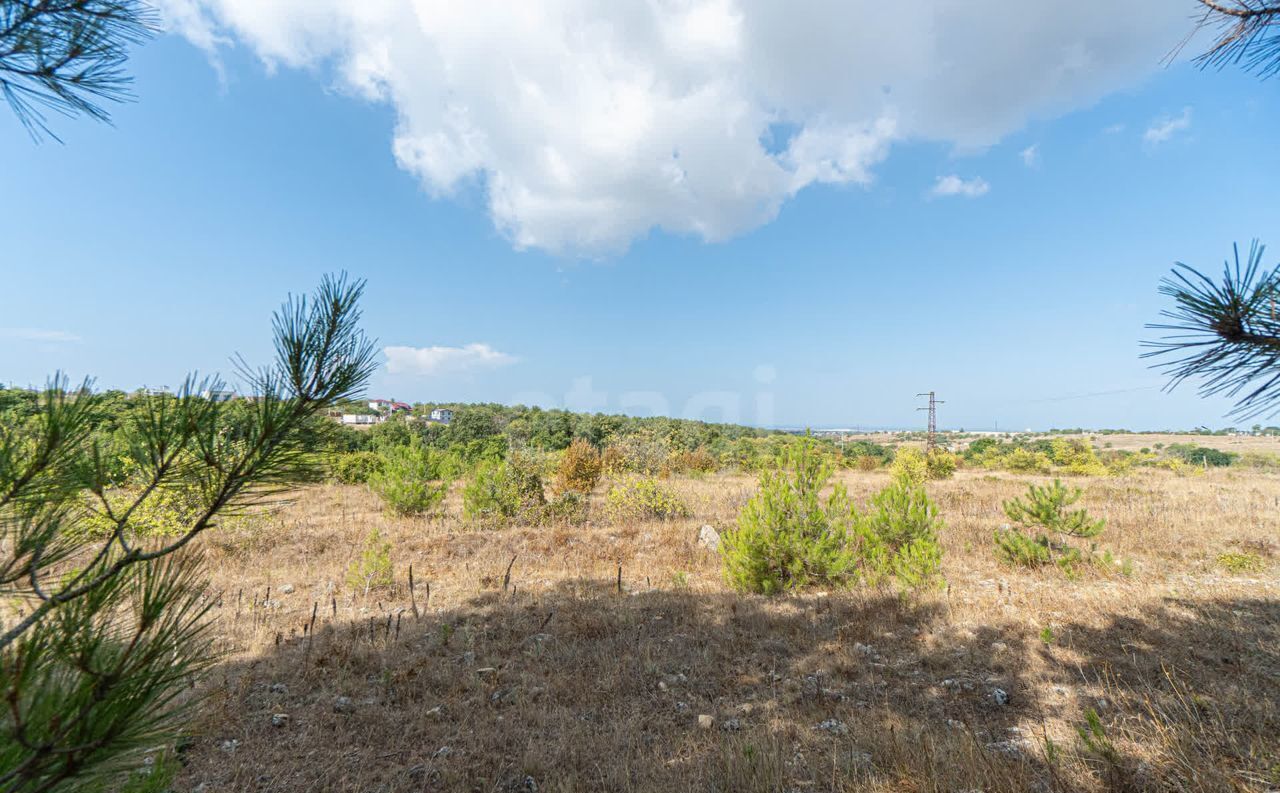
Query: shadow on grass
<point x="582" y="688"/>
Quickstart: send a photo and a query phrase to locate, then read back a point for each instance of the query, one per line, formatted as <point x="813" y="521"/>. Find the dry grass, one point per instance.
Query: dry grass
<point x="561" y="681"/>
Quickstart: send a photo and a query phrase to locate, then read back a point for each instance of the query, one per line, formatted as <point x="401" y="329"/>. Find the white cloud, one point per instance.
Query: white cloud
<point x="39" y="335"/>
<point x="1031" y="156"/>
<point x="444" y="360"/>
<point x="1162" y="129"/>
<point x="954" y="185"/>
<point x="587" y="124"/>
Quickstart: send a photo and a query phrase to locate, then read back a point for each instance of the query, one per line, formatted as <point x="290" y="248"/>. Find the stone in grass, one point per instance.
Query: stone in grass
<point x="708" y="537"/>
<point x="1000" y="696"/>
<point x="343" y="705"/>
<point x="279" y="719"/>
<point x="834" y="726"/>
<point x="731" y="725"/>
<point x="287" y="589"/>
<point x="706" y="721"/>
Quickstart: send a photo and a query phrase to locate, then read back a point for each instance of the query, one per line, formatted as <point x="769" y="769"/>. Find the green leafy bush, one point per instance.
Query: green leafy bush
<point x="1046" y="509"/>
<point x="372" y="569"/>
<point x="1025" y="461"/>
<point x="579" y="468"/>
<point x="643" y="497"/>
<point x="910" y="465"/>
<point x="1237" y="562"/>
<point x="1200" y="455"/>
<point x="502" y="491"/>
<point x="697" y="461"/>
<point x="354" y="468"/>
<point x="940" y="463"/>
<point x="1077" y="457"/>
<point x="569" y="507"/>
<point x="412" y="479"/>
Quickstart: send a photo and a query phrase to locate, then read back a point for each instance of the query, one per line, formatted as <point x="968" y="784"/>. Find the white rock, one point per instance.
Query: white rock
<point x="343" y="705"/>
<point x="1000" y="696"/>
<point x="706" y="721"/>
<point x="279" y="719"/>
<point x="731" y="725"/>
<point x="708" y="537"/>
<point x="287" y="589"/>
<point x="833" y="726"/>
<point x="229" y="746"/>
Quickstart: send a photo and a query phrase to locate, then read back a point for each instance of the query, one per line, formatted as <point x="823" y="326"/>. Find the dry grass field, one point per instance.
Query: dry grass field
<point x="544" y="673"/>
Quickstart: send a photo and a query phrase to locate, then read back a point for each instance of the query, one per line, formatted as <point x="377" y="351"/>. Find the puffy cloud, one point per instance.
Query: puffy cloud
<point x="1162" y="129"/>
<point x="1030" y="156"/>
<point x="444" y="360"/>
<point x="954" y="185"/>
<point x="588" y="123"/>
<point x="39" y="335"/>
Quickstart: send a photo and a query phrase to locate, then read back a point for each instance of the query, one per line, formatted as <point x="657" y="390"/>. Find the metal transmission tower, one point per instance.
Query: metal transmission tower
<point x="933" y="418"/>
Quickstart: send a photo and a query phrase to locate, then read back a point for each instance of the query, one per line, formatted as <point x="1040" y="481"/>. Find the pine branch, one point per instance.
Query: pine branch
<point x="1227" y="334"/>
<point x="68" y="56"/>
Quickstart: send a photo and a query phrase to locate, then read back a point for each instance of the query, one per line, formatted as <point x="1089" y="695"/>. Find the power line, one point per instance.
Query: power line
<point x="933" y="418"/>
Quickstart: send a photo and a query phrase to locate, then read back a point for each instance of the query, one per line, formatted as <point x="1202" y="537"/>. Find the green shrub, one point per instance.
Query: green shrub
<point x="1077" y="457"/>
<point x="636" y="454"/>
<point x="1200" y="455"/>
<point x="569" y="507"/>
<point x="940" y="463"/>
<point x="579" y="468"/>
<point x="698" y="461"/>
<point x="1236" y="562"/>
<point x="372" y="569"/>
<point x="1046" y="509"/>
<point x="412" y="479"/>
<point x="643" y="497"/>
<point x="787" y="537"/>
<point x="910" y="465"/>
<point x="354" y="468"/>
<point x="1024" y="461"/>
<point x="901" y="537"/>
<point x="503" y="491"/>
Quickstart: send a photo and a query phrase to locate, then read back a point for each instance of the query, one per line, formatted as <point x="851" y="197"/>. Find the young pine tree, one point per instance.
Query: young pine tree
<point x="109" y="626"/>
<point x="1045" y="510"/>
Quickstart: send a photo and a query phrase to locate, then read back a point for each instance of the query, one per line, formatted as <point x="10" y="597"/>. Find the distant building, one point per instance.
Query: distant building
<point x="360" y="418"/>
<point x="390" y="406"/>
<point x="218" y="394"/>
<point x="441" y="415"/>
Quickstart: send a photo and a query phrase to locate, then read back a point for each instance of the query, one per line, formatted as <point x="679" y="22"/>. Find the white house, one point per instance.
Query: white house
<point x="441" y="415"/>
<point x="360" y="418"/>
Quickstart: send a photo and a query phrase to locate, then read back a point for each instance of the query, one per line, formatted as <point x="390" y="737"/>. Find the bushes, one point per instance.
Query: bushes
<point x="354" y="468"/>
<point x="643" y="497"/>
<point x="940" y="463"/>
<point x="910" y="465"/>
<point x="1045" y="509"/>
<point x="412" y="479"/>
<point x="1025" y="461"/>
<point x="914" y="465"/>
<point x="698" y="461"/>
<point x="788" y="538"/>
<point x="372" y="569"/>
<point x="579" y="468"/>
<point x="501" y="491"/>
<point x="1200" y="455"/>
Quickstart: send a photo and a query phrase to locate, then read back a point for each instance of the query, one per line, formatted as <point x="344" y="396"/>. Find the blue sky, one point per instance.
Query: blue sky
<point x="138" y="252"/>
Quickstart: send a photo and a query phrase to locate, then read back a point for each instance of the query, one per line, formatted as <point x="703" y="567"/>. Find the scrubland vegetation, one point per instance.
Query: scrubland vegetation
<point x="540" y="600"/>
